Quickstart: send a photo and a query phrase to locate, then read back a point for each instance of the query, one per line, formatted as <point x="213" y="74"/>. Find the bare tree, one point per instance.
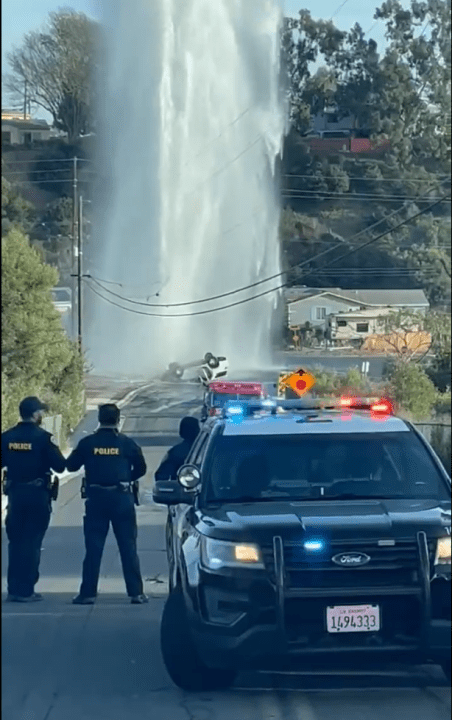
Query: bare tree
<point x="55" y="69"/>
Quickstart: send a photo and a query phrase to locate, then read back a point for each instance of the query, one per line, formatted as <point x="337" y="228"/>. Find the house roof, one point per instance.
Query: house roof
<point x="26" y="125"/>
<point x="400" y="298"/>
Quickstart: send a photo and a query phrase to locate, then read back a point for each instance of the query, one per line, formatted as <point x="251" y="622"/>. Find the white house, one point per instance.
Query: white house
<point x="315" y="305"/>
<point x="357" y="325"/>
<point x="20" y="130"/>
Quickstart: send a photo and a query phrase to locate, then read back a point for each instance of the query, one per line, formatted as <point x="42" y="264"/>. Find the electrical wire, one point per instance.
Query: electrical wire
<point x="369" y="179"/>
<point x="388" y="232"/>
<point x="26" y="173"/>
<point x="258" y="282"/>
<point x="41" y="182"/>
<point x="358" y="196"/>
<point x="339" y="8"/>
<point x="51" y="160"/>
<point x="225" y="167"/>
<point x="265" y="292"/>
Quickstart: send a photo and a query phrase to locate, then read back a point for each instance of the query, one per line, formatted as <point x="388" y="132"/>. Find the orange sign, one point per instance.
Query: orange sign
<point x="301" y="381"/>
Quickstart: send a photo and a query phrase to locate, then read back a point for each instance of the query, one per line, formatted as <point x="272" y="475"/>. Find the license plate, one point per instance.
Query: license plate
<point x="353" y="618"/>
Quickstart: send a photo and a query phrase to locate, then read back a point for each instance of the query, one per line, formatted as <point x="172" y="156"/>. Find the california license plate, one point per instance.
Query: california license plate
<point x="353" y="618"/>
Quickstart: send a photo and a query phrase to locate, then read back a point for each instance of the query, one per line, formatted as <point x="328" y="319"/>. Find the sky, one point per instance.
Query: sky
<point x="22" y="16"/>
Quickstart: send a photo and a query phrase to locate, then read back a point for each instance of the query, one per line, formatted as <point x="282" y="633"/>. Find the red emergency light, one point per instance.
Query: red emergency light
<point x="237" y="388"/>
<point x="380" y="407"/>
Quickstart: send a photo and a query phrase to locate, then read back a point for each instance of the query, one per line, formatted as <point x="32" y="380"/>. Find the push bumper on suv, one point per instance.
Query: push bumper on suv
<point x="245" y="619"/>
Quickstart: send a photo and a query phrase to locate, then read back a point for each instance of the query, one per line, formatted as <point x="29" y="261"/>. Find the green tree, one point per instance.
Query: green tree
<point x="402" y="95"/>
<point x="37" y="357"/>
<point x="15" y="209"/>
<point x="413" y="390"/>
<point x="54" y="67"/>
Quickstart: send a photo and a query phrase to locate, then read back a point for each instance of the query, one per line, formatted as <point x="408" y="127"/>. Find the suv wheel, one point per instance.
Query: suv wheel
<point x="184" y="666"/>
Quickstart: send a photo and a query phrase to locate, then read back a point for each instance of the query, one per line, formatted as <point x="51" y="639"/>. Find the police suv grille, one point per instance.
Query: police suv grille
<point x="389" y="566"/>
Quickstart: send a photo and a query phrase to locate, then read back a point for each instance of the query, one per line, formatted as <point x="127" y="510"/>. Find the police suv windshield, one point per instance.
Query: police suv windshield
<point x="302" y="467"/>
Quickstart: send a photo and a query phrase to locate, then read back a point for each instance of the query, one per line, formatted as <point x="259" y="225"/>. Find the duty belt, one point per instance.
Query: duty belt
<point x="123" y="486"/>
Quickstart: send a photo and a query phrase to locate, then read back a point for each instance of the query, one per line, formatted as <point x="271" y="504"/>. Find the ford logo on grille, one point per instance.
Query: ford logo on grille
<point x="351" y="559"/>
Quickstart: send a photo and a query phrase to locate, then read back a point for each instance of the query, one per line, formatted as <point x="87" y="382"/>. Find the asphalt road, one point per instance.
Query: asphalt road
<point x="64" y="662"/>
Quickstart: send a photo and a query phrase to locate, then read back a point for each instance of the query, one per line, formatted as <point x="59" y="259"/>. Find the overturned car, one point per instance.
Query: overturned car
<point x="209" y="368"/>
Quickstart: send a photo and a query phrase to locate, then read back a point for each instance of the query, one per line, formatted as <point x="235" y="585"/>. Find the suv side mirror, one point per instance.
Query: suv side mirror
<point x="169" y="492"/>
<point x="189" y="477"/>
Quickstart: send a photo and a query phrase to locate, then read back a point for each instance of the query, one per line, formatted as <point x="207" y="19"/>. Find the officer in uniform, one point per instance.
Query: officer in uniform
<point x="28" y="456"/>
<point x="113" y="463"/>
<point x="176" y="456"/>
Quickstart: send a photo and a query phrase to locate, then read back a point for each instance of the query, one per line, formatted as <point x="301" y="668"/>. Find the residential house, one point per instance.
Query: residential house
<point x="355" y="326"/>
<point x="328" y="123"/>
<point x="316" y="306"/>
<point x="20" y="129"/>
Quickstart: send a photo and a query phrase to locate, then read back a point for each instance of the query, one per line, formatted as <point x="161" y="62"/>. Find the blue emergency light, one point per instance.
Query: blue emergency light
<point x="314" y="545"/>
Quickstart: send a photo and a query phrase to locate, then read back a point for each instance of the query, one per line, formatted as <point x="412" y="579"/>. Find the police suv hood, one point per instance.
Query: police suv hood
<point x="349" y="519"/>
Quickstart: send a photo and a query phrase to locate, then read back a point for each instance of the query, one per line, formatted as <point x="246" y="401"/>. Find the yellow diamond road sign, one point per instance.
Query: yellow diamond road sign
<point x="300" y="381"/>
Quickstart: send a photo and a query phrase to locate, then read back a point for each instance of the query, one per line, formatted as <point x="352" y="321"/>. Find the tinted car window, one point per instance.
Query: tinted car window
<point x="302" y="466"/>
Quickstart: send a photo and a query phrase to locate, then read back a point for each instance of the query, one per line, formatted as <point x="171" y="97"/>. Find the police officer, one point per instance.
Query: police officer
<point x="113" y="463"/>
<point x="176" y="456"/>
<point x="28" y="455"/>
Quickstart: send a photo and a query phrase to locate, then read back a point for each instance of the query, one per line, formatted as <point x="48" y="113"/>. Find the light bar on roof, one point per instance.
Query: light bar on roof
<point x="236" y="388"/>
<point x="381" y="406"/>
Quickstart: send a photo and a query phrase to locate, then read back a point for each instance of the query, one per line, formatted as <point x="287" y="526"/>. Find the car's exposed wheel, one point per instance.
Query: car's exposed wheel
<point x="184" y="666"/>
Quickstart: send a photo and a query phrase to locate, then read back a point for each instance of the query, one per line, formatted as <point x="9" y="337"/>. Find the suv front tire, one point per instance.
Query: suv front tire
<point x="184" y="666"/>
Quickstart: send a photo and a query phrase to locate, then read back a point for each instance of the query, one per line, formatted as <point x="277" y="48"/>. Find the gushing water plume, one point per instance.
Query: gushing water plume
<point x="195" y="124"/>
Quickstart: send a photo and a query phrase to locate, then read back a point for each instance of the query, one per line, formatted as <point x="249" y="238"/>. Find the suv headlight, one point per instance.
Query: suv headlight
<point x="443" y="551"/>
<point x="217" y="554"/>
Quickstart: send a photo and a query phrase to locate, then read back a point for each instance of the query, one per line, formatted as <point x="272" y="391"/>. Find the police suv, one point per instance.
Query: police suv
<point x="300" y="532"/>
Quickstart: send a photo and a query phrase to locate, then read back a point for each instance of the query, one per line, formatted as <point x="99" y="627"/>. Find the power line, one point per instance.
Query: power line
<point x="53" y="182"/>
<point x="225" y="167"/>
<point x="346" y="195"/>
<point x="339" y="8"/>
<point x="368" y="179"/>
<point x="50" y="160"/>
<point x="26" y="173"/>
<point x="258" y="282"/>
<point x="388" y="232"/>
<point x="231" y="124"/>
<point x="265" y="292"/>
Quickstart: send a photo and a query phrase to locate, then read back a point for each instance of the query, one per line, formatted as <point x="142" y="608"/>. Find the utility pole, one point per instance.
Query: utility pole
<point x="25" y="100"/>
<point x="79" y="275"/>
<point x="75" y="243"/>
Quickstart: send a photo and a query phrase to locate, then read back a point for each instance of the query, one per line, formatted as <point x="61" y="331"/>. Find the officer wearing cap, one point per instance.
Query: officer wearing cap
<point x="113" y="463"/>
<point x="176" y="456"/>
<point x="28" y="456"/>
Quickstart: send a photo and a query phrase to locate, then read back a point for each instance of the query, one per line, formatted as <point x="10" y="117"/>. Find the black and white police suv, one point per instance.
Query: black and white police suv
<point x="305" y="533"/>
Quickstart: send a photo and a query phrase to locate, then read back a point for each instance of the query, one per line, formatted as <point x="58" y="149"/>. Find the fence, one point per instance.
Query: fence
<point x="439" y="437"/>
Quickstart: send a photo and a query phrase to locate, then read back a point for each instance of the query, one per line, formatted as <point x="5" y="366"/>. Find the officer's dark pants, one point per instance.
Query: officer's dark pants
<point x="27" y="520"/>
<point x="102" y="508"/>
